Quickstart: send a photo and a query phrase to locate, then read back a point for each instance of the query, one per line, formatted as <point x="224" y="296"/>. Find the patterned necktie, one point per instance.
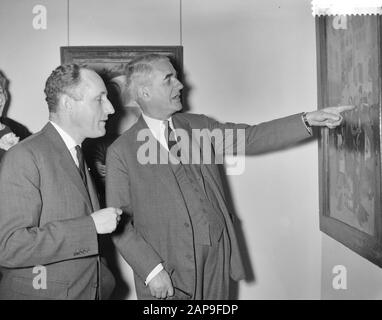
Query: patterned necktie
<point x="81" y="164"/>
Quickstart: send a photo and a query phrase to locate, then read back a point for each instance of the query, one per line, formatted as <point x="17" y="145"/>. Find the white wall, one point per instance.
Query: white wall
<point x="251" y="61"/>
<point x="245" y="61"/>
<point x="363" y="279"/>
<point x="27" y="56"/>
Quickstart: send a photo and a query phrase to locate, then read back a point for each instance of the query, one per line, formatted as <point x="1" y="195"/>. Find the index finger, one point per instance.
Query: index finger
<point x="344" y="108"/>
<point x="331" y="115"/>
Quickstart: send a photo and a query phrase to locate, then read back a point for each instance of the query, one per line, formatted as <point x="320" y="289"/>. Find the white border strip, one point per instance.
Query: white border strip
<point x="346" y="7"/>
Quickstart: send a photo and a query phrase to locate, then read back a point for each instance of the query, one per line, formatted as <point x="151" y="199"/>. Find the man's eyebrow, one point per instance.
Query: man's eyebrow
<point x="101" y="94"/>
<point x="169" y="75"/>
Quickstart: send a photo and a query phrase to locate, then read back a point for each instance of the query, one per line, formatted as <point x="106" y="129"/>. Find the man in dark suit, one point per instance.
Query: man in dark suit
<point x="49" y="212"/>
<point x="179" y="237"/>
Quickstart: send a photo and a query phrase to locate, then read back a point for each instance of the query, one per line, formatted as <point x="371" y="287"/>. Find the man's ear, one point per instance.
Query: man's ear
<point x="144" y="93"/>
<point x="67" y="102"/>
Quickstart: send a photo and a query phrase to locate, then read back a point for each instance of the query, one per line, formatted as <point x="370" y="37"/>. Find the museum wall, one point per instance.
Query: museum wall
<point x="244" y="61"/>
<point x="363" y="279"/>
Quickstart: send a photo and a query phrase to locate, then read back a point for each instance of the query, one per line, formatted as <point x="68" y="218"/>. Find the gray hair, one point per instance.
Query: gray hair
<point x="139" y="71"/>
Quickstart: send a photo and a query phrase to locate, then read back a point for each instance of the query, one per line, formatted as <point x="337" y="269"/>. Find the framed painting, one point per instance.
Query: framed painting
<point x="349" y="73"/>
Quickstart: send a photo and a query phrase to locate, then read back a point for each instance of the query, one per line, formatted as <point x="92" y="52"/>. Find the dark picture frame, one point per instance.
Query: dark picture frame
<point x="349" y="73"/>
<point x="108" y="59"/>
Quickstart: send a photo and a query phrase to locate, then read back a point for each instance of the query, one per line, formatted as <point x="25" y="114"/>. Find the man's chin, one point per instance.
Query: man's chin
<point x="178" y="106"/>
<point x="99" y="133"/>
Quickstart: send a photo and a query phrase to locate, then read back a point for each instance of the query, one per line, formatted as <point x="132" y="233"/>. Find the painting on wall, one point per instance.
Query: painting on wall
<point x="349" y="73"/>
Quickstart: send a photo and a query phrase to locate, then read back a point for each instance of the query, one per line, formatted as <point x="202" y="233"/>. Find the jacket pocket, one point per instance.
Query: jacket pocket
<point x="54" y="289"/>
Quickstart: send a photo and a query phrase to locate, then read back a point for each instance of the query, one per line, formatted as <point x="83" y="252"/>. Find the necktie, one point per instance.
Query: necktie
<point x="169" y="135"/>
<point x="81" y="164"/>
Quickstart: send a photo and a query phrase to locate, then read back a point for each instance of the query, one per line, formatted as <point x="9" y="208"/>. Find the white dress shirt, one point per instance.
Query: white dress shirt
<point x="68" y="140"/>
<point x="157" y="128"/>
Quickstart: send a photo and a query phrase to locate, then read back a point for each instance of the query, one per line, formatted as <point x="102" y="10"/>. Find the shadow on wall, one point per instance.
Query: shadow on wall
<point x="249" y="275"/>
<point x="109" y="252"/>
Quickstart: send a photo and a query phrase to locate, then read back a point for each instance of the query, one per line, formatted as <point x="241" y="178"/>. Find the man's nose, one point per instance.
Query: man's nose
<point x="179" y="84"/>
<point x="109" y="109"/>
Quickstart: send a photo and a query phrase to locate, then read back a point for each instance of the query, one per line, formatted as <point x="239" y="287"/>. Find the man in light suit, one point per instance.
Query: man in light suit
<point x="49" y="212"/>
<point x="179" y="237"/>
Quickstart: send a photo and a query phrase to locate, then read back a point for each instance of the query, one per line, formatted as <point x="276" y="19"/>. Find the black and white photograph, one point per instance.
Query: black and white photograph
<point x="212" y="151"/>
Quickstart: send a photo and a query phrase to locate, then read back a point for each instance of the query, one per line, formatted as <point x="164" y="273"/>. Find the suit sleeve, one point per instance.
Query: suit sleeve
<point x="137" y="252"/>
<point x="254" y="139"/>
<point x="23" y="241"/>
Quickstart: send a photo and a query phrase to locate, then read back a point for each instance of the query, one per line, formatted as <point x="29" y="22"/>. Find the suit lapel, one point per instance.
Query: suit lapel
<point x="67" y="163"/>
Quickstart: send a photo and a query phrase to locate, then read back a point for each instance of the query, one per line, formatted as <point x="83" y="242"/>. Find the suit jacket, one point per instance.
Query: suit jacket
<point x="45" y="220"/>
<point x="149" y="194"/>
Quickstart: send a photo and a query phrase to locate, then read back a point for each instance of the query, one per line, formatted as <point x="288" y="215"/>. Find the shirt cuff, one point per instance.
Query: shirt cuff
<point x="306" y="123"/>
<point x="153" y="273"/>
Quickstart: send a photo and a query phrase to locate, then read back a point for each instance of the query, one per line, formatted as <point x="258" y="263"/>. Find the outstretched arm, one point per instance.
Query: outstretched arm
<point x="270" y="135"/>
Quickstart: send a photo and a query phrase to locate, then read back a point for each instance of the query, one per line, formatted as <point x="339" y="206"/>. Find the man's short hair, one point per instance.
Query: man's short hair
<point x="63" y="80"/>
<point x="139" y="71"/>
<point x="3" y="85"/>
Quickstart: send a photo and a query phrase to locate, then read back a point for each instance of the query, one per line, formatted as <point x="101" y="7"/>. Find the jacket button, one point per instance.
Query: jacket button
<point x="187" y="225"/>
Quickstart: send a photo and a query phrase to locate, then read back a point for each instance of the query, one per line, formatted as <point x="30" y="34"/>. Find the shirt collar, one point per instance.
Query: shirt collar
<point x="68" y="140"/>
<point x="156" y="125"/>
